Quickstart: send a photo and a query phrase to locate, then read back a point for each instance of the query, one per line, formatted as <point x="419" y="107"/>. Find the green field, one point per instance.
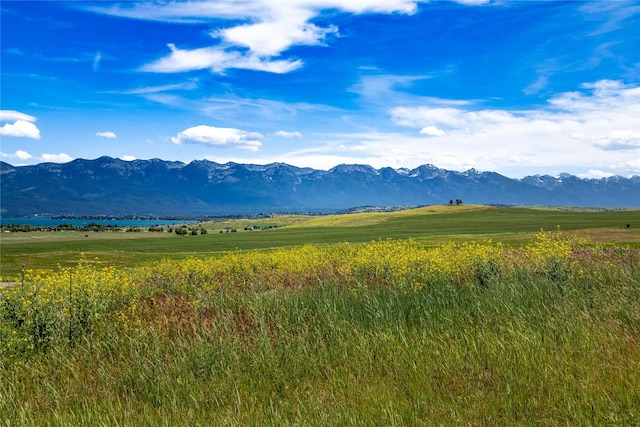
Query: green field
<point x="437" y="316"/>
<point x="435" y="224"/>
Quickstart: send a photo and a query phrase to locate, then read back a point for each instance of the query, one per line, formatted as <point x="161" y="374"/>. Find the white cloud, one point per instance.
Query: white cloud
<point x="549" y="139"/>
<point x="277" y="34"/>
<point x="128" y="158"/>
<point x="107" y="134"/>
<point x="620" y="140"/>
<point x="432" y="131"/>
<point x="285" y="134"/>
<point x="22" y="126"/>
<point x="377" y="149"/>
<point x="20" y="129"/>
<point x="57" y="158"/>
<point x="590" y="127"/>
<point x="219" y="137"/>
<point x="574" y="132"/>
<point x="22" y="155"/>
<point x="19" y="154"/>
<point x="258" y="32"/>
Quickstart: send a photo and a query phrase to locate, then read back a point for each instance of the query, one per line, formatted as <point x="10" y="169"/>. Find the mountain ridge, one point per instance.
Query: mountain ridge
<point x="113" y="186"/>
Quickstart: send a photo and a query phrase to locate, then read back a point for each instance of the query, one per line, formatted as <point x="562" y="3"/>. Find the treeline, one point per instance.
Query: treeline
<point x="97" y="227"/>
<point x="183" y="218"/>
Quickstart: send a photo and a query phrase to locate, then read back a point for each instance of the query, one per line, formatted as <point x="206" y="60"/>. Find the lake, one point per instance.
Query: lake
<point x="54" y="222"/>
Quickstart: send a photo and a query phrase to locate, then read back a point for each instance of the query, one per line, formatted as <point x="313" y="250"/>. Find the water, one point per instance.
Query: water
<point x="54" y="222"/>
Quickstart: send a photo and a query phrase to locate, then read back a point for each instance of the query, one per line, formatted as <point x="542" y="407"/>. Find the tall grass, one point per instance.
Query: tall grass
<point x="386" y="333"/>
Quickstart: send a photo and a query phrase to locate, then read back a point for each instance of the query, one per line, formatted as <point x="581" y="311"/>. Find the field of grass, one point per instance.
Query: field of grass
<point x="433" y="224"/>
<point x="409" y="318"/>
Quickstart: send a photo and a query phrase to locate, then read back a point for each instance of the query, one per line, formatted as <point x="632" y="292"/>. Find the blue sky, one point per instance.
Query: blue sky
<point x="517" y="87"/>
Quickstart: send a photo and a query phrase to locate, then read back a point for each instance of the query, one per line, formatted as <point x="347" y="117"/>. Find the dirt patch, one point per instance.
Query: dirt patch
<point x="176" y="315"/>
<point x="609" y="235"/>
<point x="7" y="284"/>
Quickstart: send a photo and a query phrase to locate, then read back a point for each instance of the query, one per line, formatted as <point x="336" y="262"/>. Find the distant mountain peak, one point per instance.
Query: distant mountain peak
<point x="345" y="168"/>
<point x="202" y="187"/>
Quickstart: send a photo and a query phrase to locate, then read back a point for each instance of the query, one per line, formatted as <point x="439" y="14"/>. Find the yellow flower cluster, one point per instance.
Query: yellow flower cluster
<point x="60" y="305"/>
<point x="67" y="303"/>
<point x="397" y="263"/>
<point x="550" y="254"/>
<point x="550" y="246"/>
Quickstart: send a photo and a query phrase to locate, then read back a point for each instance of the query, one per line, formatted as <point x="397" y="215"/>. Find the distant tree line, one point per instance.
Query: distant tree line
<point x="95" y="227"/>
<point x="61" y="227"/>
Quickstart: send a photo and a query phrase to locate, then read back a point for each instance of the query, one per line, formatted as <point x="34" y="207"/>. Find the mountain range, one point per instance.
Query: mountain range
<point x="108" y="186"/>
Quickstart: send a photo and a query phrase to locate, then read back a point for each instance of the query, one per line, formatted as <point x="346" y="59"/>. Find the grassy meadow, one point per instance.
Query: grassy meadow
<point x="436" y="316"/>
<point x="431" y="225"/>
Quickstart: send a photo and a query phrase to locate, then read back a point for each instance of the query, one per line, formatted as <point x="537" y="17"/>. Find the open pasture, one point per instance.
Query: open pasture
<point x="389" y="332"/>
<point x="431" y="224"/>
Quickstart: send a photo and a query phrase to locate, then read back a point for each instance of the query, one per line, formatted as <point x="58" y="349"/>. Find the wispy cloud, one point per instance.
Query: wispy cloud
<point x="21" y="125"/>
<point x="219" y="137"/>
<point x="96" y="62"/>
<point x="217" y="60"/>
<point x="611" y="14"/>
<point x="266" y="30"/>
<point x="384" y="88"/>
<point x="188" y="85"/>
<point x="536" y="87"/>
<point x="191" y="12"/>
<point x="13" y="51"/>
<point x="12" y="116"/>
<point x="601" y="117"/>
<point x="230" y="108"/>
<point x="473" y="2"/>
<point x="584" y="129"/>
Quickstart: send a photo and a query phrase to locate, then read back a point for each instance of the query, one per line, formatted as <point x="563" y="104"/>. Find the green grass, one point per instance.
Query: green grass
<point x="433" y="224"/>
<point x="512" y="353"/>
<point x="547" y="333"/>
